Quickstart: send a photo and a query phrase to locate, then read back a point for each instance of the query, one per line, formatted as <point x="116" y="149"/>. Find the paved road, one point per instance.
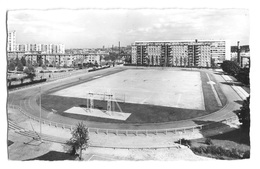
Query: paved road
<point x="26" y="99"/>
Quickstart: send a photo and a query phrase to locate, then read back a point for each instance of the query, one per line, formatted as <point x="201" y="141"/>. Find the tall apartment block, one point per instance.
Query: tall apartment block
<point x="41" y="48"/>
<point x="180" y="53"/>
<point x="11" y="41"/>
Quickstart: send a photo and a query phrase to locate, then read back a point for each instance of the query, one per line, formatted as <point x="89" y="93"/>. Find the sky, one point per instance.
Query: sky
<point x="93" y="28"/>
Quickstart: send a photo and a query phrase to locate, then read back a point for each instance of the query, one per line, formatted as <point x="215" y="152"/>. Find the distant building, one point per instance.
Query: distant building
<point x="11" y="41"/>
<point x="180" y="53"/>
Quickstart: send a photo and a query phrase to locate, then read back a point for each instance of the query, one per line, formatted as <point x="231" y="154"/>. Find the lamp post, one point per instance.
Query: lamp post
<point x="40" y="114"/>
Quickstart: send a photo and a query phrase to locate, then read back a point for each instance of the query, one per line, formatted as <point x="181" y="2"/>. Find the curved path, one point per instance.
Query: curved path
<point x="27" y="99"/>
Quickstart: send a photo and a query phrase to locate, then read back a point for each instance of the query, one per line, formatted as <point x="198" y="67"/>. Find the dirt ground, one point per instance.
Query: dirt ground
<point x="172" y="88"/>
<point x="24" y="148"/>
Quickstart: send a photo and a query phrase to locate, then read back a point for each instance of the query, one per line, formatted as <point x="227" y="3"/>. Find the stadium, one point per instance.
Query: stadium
<point x="128" y="98"/>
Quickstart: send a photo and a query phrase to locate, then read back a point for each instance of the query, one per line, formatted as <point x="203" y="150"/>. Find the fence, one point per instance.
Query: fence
<point x="126" y="132"/>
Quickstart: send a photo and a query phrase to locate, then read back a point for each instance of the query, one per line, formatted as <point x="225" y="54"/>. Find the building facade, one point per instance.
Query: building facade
<point x="180" y="53"/>
<point x="11" y="41"/>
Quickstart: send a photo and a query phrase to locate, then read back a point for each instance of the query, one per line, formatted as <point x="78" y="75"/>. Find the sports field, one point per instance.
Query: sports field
<point x="147" y="95"/>
<point x="180" y="89"/>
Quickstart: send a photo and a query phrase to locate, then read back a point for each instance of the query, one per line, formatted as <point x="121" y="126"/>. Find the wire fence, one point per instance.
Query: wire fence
<point x="127" y="132"/>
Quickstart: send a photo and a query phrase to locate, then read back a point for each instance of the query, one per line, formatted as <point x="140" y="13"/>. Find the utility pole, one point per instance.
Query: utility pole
<point x="119" y="48"/>
<point x="238" y="54"/>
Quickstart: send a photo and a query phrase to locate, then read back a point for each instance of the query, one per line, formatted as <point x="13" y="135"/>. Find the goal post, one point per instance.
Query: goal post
<point x="108" y="97"/>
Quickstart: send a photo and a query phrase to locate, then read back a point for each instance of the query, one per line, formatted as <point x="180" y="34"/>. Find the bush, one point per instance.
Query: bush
<point x="20" y="67"/>
<point x="208" y="141"/>
<point x="230" y="67"/>
<point x="184" y="142"/>
<point x="246" y="154"/>
<point x="220" y="152"/>
<point x="11" y="66"/>
<point x="244" y="115"/>
<point x="197" y="149"/>
<point x="243" y="76"/>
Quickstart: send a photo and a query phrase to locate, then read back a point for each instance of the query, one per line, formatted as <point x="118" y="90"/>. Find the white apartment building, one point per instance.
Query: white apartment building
<point x="11" y="41"/>
<point x="180" y="53"/>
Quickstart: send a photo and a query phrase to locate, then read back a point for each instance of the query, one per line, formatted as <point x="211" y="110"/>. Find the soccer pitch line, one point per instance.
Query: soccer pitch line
<point x="211" y="83"/>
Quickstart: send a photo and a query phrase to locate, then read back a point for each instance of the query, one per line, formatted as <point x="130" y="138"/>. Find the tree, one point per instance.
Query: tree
<point x="30" y="72"/>
<point x="31" y="68"/>
<point x="11" y="66"/>
<point x="22" y="78"/>
<point x="176" y="61"/>
<point x="47" y="62"/>
<point x="96" y="63"/>
<point x="185" y="60"/>
<point x="23" y="61"/>
<point x="44" y="67"/>
<point x="17" y="61"/>
<point x="65" y="66"/>
<point x="213" y="64"/>
<point x="230" y="67"/>
<point x="40" y="62"/>
<point x="29" y="62"/>
<point x="80" y="138"/>
<point x="243" y="76"/>
<point x="20" y="66"/>
<point x="244" y="114"/>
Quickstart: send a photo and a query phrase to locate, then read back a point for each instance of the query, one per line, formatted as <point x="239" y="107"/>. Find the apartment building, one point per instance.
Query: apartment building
<point x="180" y="53"/>
<point x="11" y="41"/>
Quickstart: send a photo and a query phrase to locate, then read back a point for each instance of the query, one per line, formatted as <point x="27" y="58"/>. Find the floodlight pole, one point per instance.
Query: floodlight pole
<point x="41" y="114"/>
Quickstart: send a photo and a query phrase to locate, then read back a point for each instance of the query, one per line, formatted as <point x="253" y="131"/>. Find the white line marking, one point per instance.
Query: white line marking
<point x="214" y="91"/>
<point x="101" y="157"/>
<point x="97" y="77"/>
<point x="178" y="101"/>
<point x="90" y="157"/>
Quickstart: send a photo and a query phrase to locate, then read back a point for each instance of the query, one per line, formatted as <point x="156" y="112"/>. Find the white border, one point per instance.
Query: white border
<point x="254" y="45"/>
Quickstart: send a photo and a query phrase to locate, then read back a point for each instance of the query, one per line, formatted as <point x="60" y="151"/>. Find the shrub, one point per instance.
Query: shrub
<point x="219" y="152"/>
<point x="20" y="67"/>
<point x="196" y="149"/>
<point x="246" y="154"/>
<point x="208" y="141"/>
<point x="11" y="66"/>
<point x="230" y="67"/>
<point x="244" y="115"/>
<point x="184" y="142"/>
<point x="243" y="76"/>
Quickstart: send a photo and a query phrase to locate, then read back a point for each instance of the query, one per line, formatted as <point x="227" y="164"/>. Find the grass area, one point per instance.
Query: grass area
<point x="140" y="113"/>
<point x="9" y="142"/>
<point x="235" y="141"/>
<point x="55" y="156"/>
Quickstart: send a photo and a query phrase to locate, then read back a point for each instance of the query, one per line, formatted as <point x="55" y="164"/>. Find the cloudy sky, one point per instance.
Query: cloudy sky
<point x="94" y="28"/>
